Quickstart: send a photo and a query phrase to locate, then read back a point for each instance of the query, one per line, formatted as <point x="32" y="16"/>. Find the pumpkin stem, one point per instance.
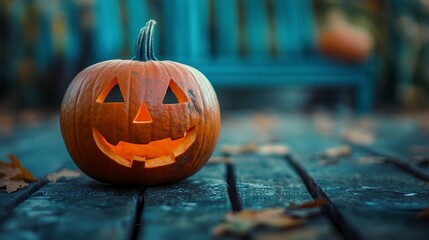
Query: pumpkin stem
<point x="144" y="44"/>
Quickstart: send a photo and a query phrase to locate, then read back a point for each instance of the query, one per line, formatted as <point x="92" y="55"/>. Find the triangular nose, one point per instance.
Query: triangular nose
<point x="143" y="115"/>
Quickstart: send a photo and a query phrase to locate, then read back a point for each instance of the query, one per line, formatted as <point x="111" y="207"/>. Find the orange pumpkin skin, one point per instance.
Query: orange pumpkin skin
<point x="343" y="40"/>
<point x="114" y="142"/>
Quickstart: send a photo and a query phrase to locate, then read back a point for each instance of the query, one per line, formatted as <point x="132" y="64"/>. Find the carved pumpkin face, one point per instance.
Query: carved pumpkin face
<point x="140" y="122"/>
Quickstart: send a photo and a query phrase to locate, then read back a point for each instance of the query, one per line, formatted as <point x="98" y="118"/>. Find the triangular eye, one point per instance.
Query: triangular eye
<point x="111" y="93"/>
<point x="174" y="94"/>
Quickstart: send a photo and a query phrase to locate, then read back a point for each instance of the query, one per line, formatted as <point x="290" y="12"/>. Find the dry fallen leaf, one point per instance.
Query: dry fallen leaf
<point x="13" y="175"/>
<point x="23" y="174"/>
<point x="279" y="218"/>
<point x="64" y="173"/>
<point x="365" y="124"/>
<point x="273" y="149"/>
<point x="422" y="161"/>
<point x="371" y="160"/>
<point x="309" y="204"/>
<point x="12" y="185"/>
<point x="245" y="221"/>
<point x="362" y="137"/>
<point x="306" y="209"/>
<point x="419" y="149"/>
<point x="323" y="123"/>
<point x="423" y="213"/>
<point x="240" y="149"/>
<point x="327" y="162"/>
<point x="266" y="149"/>
<point x="216" y="160"/>
<point x="337" y="152"/>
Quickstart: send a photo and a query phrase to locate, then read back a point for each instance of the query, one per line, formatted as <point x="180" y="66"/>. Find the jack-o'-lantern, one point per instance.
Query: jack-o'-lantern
<point x="140" y="121"/>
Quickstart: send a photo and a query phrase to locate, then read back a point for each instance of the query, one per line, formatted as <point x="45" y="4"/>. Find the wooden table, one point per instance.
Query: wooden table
<point x="368" y="197"/>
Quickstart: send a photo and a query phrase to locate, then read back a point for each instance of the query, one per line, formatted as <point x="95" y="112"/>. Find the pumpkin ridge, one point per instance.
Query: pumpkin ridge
<point x="213" y="98"/>
<point x="202" y="122"/>
<point x="82" y="163"/>
<point x="129" y="100"/>
<point x="216" y="118"/>
<point x="90" y="105"/>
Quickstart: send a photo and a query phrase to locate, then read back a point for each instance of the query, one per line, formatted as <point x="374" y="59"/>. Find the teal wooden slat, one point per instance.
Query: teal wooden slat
<point x="107" y="31"/>
<point x="175" y="35"/>
<point x="407" y="144"/>
<point x="276" y="185"/>
<point x="289" y="38"/>
<point x="379" y="201"/>
<point x="306" y="24"/>
<point x="73" y="42"/>
<point x="198" y="19"/>
<point x="40" y="147"/>
<point x="73" y="209"/>
<point x="226" y="28"/>
<point x="137" y="17"/>
<point x="189" y="209"/>
<point x="8" y="201"/>
<point x="256" y="25"/>
<point x="44" y="48"/>
<point x="41" y="150"/>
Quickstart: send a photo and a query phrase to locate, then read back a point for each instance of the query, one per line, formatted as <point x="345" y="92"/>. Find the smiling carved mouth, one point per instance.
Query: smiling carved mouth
<point x="154" y="154"/>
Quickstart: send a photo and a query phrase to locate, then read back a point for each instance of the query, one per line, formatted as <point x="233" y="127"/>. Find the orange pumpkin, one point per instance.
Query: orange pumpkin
<point x="139" y="138"/>
<point x="343" y="40"/>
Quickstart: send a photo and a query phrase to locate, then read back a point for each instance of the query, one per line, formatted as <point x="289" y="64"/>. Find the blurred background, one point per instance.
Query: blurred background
<point x="359" y="55"/>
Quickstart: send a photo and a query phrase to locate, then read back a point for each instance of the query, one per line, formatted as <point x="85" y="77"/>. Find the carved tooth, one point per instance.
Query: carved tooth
<point x="139" y="159"/>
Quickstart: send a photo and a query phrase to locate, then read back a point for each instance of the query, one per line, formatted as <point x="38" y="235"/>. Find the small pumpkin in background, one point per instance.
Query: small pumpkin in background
<point x="161" y="126"/>
<point x="341" y="39"/>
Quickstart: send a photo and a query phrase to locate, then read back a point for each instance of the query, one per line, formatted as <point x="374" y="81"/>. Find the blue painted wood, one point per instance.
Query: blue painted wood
<point x="257" y="30"/>
<point x="108" y="30"/>
<point x="137" y="17"/>
<point x="187" y="209"/>
<point x="78" y="208"/>
<point x="40" y="147"/>
<point x="226" y="29"/>
<point x="45" y="45"/>
<point x="275" y="185"/>
<point x="175" y="36"/>
<point x="198" y="23"/>
<point x="306" y="24"/>
<point x="379" y="201"/>
<point x="288" y="24"/>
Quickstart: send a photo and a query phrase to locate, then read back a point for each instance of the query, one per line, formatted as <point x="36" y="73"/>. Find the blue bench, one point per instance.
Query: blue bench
<point x="244" y="43"/>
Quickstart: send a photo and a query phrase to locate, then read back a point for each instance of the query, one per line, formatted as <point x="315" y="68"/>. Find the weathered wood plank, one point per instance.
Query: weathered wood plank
<point x="403" y="140"/>
<point x="73" y="209"/>
<point x="41" y="150"/>
<point x="8" y="201"/>
<point x="189" y="209"/>
<point x="380" y="201"/>
<point x="267" y="182"/>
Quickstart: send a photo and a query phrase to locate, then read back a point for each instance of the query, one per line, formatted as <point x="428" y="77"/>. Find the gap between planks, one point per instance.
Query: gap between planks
<point x="330" y="210"/>
<point x="231" y="181"/>
<point x="406" y="167"/>
<point x="138" y="224"/>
